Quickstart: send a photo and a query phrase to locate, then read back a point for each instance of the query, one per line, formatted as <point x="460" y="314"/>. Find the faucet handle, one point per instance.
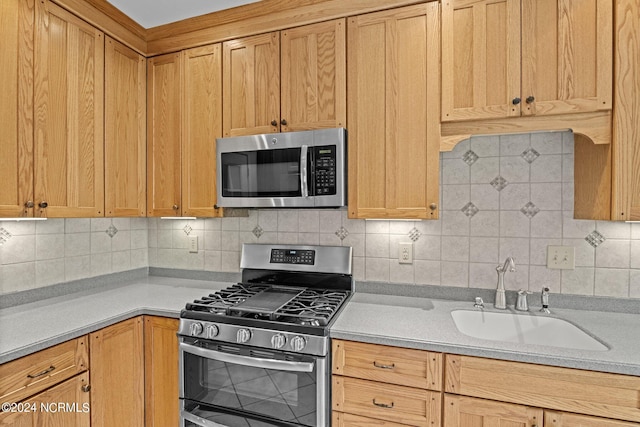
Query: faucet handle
<point x="521" y="303"/>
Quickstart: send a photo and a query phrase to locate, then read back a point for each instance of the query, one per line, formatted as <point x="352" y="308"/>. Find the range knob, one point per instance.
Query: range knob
<point x="195" y="328"/>
<point x="278" y="341"/>
<point x="243" y="336"/>
<point x="298" y="343"/>
<point x="212" y="331"/>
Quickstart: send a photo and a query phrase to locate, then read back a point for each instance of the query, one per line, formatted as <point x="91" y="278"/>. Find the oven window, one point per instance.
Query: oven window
<point x="255" y="391"/>
<point x="263" y="173"/>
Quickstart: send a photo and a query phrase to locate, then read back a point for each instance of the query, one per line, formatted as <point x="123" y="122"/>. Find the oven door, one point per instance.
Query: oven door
<point x="232" y="386"/>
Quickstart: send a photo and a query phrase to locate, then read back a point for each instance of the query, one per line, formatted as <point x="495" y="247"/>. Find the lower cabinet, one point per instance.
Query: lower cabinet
<point x="462" y="411"/>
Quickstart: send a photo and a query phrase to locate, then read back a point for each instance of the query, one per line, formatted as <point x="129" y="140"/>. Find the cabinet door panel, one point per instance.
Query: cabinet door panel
<point x="314" y="76"/>
<point x="480" y="59"/>
<point x="561" y="419"/>
<point x="164" y="78"/>
<point x="251" y="85"/>
<point x="567" y="55"/>
<point x="202" y="124"/>
<point x="16" y="107"/>
<point x="460" y="411"/>
<point x="69" y="131"/>
<point x="125" y="131"/>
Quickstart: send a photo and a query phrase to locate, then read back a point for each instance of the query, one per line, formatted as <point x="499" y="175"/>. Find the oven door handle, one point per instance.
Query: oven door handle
<point x="255" y="362"/>
<point x="304" y="186"/>
<point x="199" y="421"/>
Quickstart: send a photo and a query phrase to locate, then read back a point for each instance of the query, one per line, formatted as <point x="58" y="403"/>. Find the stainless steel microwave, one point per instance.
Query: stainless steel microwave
<point x="294" y="169"/>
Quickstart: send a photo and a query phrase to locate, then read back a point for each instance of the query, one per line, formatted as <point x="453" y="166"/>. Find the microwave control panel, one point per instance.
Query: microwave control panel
<point x="325" y="170"/>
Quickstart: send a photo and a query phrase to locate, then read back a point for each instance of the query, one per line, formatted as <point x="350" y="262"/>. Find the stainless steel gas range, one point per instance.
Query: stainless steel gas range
<point x="257" y="354"/>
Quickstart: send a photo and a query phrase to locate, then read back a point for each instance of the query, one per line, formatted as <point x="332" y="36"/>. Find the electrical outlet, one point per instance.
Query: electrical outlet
<point x="193" y="244"/>
<point x="561" y="257"/>
<point x="405" y="253"/>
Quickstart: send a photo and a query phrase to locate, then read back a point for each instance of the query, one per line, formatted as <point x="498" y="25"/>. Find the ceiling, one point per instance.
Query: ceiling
<point x="152" y="13"/>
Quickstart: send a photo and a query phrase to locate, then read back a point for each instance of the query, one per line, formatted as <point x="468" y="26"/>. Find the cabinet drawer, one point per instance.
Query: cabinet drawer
<point x="28" y="375"/>
<point x="340" y="419"/>
<point x="398" y="404"/>
<point x="561" y="419"/>
<point x="395" y="365"/>
<point x="574" y="390"/>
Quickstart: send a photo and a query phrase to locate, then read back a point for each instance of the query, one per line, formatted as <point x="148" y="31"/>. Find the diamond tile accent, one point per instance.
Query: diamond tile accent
<point x="4" y="236"/>
<point x="257" y="231"/>
<point x="414" y="234"/>
<point x="470" y="157"/>
<point x="187" y="229"/>
<point x="595" y="239"/>
<point x="470" y="209"/>
<point x="499" y="183"/>
<point x="342" y="233"/>
<point x="530" y="210"/>
<point x="530" y="155"/>
<point x="111" y="231"/>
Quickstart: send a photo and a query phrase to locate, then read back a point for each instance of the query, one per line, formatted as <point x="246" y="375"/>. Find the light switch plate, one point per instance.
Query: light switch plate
<point x="193" y="244"/>
<point x="561" y="257"/>
<point x="405" y="253"/>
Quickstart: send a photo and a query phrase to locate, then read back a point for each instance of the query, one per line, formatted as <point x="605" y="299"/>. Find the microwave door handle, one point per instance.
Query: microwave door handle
<point x="199" y="421"/>
<point x="304" y="187"/>
<point x="254" y="362"/>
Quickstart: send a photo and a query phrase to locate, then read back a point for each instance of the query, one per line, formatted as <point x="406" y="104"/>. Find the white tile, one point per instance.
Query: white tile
<point x="547" y="142"/>
<point x="230" y="224"/>
<point x="585" y="254"/>
<point x="356" y="241"/>
<point x="19" y="249"/>
<point x="213" y="260"/>
<point x="482" y="275"/>
<point x="577" y="282"/>
<point x="212" y="240"/>
<point x="540" y="276"/>
<point x="635" y="231"/>
<point x="229" y="241"/>
<point x="179" y="239"/>
<point x="518" y="248"/>
<point x="377" y="246"/>
<point x="635" y="254"/>
<point x="427" y="272"/>
<point x="519" y="279"/>
<point x="613" y="254"/>
<point x="246" y="237"/>
<point x="427" y="248"/>
<point x="139" y="224"/>
<point x="432" y="227"/>
<point x="139" y="238"/>
<point x="329" y="239"/>
<point x="568" y="162"/>
<point x="567" y="142"/>
<point x="547" y="168"/>
<point x="213" y="224"/>
<point x="455" y="248"/>
<point x="101" y="224"/>
<point x="485" y="145"/>
<point x="268" y="220"/>
<point x="514" y="224"/>
<point x="484" y="250"/>
<point x="485" y="223"/>
<point x="576" y="228"/>
<point x="514" y="145"/>
<point x="354" y="225"/>
<point x="547" y="197"/>
<point x="634" y="284"/>
<point x="547" y="224"/>
<point x="50" y="226"/>
<point x="77" y="225"/>
<point x="165" y="239"/>
<point x="515" y="196"/>
<point x="312" y="239"/>
<point x="49" y="246"/>
<point x="568" y="189"/>
<point x="485" y="197"/>
<point x="77" y="244"/>
<point x="77" y="267"/>
<point x="101" y="263"/>
<point x="454" y="197"/>
<point x="377" y="269"/>
<point x="287" y="238"/>
<point x="514" y="169"/>
<point x="330" y="221"/>
<point x="612" y="282"/>
<point x="18" y="277"/>
<point x="538" y="250"/>
<point x="309" y="221"/>
<point x="153" y="238"/>
<point x="614" y="230"/>
<point x="153" y="257"/>
<point x="19" y="228"/>
<point x="122" y="241"/>
<point x="401" y="273"/>
<point x="358" y="268"/>
<point x="455" y="171"/>
<point x="100" y="242"/>
<point x="288" y="221"/>
<point x="125" y="224"/>
<point x="139" y="258"/>
<point x="49" y="272"/>
<point x="485" y="169"/>
<point x="400" y="227"/>
<point x="454" y="223"/>
<point x="454" y="274"/>
<point x="376" y="227"/>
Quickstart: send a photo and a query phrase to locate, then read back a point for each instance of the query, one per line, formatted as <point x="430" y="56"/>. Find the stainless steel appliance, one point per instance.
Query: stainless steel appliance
<point x="257" y="353"/>
<point x="293" y="169"/>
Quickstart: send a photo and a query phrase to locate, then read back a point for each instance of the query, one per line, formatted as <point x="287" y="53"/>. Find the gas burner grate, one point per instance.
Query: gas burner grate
<point x="314" y="307"/>
<point x="222" y="301"/>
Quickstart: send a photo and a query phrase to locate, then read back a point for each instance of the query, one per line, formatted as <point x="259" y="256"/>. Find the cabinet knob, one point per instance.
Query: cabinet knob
<point x="29" y="204"/>
<point x="43" y="204"/>
<point x="274" y="123"/>
<point x="175" y="207"/>
<point x="86" y="388"/>
<point x="283" y="122"/>
<point x="516" y="101"/>
<point x="433" y="206"/>
<point x="530" y="99"/>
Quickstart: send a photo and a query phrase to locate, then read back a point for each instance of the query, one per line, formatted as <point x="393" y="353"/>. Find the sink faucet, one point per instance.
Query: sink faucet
<point x="509" y="265"/>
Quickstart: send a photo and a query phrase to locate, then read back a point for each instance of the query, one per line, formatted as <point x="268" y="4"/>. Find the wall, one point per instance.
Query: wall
<point x="500" y="196"/>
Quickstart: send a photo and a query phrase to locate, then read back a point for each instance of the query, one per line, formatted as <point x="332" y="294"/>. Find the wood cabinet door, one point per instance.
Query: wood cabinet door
<point x="567" y="56"/>
<point x="164" y="101"/>
<point x="202" y="124"/>
<point x="564" y="419"/>
<point x="69" y="120"/>
<point x="16" y="107"/>
<point x="313" y="76"/>
<point x="117" y="375"/>
<point x="461" y="411"/>
<point x="480" y="59"/>
<point x="251" y="85"/>
<point x="125" y="131"/>
<point x="393" y="113"/>
<point x="161" y="371"/>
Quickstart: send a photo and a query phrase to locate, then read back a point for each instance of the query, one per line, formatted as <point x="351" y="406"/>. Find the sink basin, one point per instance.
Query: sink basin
<point x="524" y="329"/>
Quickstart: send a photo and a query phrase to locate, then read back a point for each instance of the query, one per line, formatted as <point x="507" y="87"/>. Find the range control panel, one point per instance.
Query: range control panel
<point x="293" y="256"/>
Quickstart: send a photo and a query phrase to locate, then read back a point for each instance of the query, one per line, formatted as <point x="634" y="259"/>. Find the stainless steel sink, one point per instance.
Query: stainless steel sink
<point x="524" y="329"/>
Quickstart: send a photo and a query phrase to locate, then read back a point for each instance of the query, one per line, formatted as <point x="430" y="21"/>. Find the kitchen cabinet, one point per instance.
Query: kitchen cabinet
<point x="161" y="371"/>
<point x="125" y="136"/>
<point x="117" y="374"/>
<point x="68" y="115"/>
<point x="375" y="382"/>
<point x="461" y="411"/>
<point x="565" y="419"/>
<point x="16" y="107"/>
<point x="285" y="81"/>
<point x="393" y="113"/>
<point x="184" y="110"/>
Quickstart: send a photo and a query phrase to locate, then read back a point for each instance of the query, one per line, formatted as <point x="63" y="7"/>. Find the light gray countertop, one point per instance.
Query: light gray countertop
<point x="425" y="323"/>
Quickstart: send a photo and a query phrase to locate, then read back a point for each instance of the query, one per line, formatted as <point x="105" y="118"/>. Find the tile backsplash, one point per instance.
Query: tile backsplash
<point x="508" y="195"/>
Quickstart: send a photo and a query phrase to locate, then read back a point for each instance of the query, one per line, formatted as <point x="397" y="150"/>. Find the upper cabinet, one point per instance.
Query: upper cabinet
<point x="393" y="105"/>
<point x="285" y="81"/>
<point x="68" y="115"/>
<point x="125" y="136"/>
<point x="525" y="57"/>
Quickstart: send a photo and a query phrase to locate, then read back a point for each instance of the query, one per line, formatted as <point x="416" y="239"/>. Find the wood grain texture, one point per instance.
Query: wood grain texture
<point x="626" y="112"/>
<point x="251" y="85"/>
<point x="564" y="419"/>
<point x="341" y="419"/>
<point x="592" y="179"/>
<point x="117" y="375"/>
<point x="201" y="125"/>
<point x="69" y="117"/>
<point x="460" y="411"/>
<point x="16" y="107"/>
<point x="393" y="113"/>
<point x="573" y="390"/>
<point x="125" y="131"/>
<point x="164" y="133"/>
<point x="19" y="379"/>
<point x="313" y="76"/>
<point x="394" y="365"/>
<point x="161" y="371"/>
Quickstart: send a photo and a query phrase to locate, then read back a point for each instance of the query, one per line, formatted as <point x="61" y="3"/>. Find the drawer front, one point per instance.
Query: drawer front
<point x="560" y="419"/>
<point x="565" y="389"/>
<point x="340" y="419"/>
<point x="28" y="375"/>
<point x="395" y="365"/>
<point x="398" y="404"/>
